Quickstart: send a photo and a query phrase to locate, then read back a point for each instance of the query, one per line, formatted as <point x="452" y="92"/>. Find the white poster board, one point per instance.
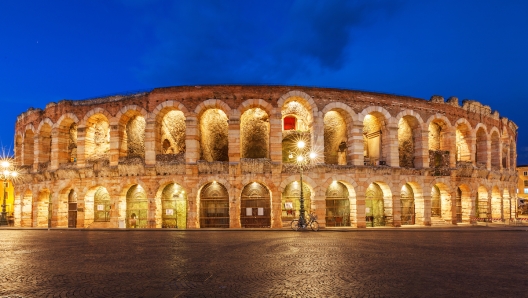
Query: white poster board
<point x="367" y="210"/>
<point x="169" y="211"/>
<point x="288" y="205"/>
<point x="260" y="211"/>
<point x="100" y="207"/>
<point x="249" y="211"/>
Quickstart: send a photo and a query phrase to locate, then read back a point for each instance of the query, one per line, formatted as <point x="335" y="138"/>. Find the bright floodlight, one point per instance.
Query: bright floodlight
<point x="301" y="144"/>
<point x="300" y="158"/>
<point x="6" y="173"/>
<point x="14" y="174"/>
<point x="313" y="155"/>
<point x="5" y="164"/>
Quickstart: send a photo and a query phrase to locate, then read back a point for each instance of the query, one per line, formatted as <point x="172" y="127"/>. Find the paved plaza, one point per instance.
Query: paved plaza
<point x="468" y="262"/>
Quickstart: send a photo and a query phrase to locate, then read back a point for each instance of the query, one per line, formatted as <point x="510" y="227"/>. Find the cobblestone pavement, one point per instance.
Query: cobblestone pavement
<point x="369" y="263"/>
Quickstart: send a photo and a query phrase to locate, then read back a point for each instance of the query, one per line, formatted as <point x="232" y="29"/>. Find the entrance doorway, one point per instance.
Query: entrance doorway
<point x="72" y="209"/>
<point x="374" y="210"/>
<point x="255" y="211"/>
<point x="337" y="205"/>
<point x="214" y="206"/>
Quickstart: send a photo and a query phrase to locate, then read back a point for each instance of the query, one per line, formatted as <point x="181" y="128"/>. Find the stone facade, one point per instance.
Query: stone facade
<point x="219" y="156"/>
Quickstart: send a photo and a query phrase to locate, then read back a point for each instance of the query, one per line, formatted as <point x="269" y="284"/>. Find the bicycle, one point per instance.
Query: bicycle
<point x="311" y="222"/>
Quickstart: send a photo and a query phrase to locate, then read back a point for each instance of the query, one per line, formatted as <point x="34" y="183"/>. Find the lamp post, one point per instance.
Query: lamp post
<point x="302" y="161"/>
<point x="7" y="174"/>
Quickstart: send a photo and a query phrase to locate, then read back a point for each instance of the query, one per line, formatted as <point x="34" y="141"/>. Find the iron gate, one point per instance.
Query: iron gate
<point x="291" y="201"/>
<point x="255" y="211"/>
<point x="337" y="205"/>
<point x="102" y="205"/>
<point x="173" y="207"/>
<point x="482" y="206"/>
<point x="407" y="206"/>
<point x="214" y="206"/>
<point x="374" y="210"/>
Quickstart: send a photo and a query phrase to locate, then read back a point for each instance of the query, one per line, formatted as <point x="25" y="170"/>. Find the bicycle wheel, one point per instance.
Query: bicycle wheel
<point x="315" y="226"/>
<point x="295" y="225"/>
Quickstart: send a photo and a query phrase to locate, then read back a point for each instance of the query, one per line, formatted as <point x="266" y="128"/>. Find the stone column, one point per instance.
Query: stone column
<point x="318" y="131"/>
<point x="453" y="207"/>
<point x="427" y="208"/>
<point x="192" y="140"/>
<point x="234" y="207"/>
<point x="276" y="136"/>
<point x="488" y="155"/>
<point x="150" y="142"/>
<point x="81" y="146"/>
<point x="356" y="145"/>
<point x="115" y="139"/>
<point x="451" y="144"/>
<point x="472" y="145"/>
<point x="360" y="210"/>
<point x="421" y="149"/>
<point x="192" y="211"/>
<point x="396" y="208"/>
<point x="234" y="138"/>
<point x="36" y="152"/>
<point x="276" y="208"/>
<point x="54" y="156"/>
<point x="390" y="146"/>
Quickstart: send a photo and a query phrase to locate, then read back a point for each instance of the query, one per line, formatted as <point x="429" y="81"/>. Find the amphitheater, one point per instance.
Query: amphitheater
<point x="221" y="157"/>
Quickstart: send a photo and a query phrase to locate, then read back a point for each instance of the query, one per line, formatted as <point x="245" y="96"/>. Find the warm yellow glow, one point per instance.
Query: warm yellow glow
<point x="300" y="158"/>
<point x="5" y="164"/>
<point x="6" y="173"/>
<point x="313" y="155"/>
<point x="301" y="144"/>
<point x="14" y="174"/>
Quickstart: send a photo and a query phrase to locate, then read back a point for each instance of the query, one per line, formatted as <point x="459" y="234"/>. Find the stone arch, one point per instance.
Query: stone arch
<point x="439" y="141"/>
<point x="85" y="121"/>
<point x="463" y="140"/>
<point x="306" y="99"/>
<point x="441" y="206"/>
<point x="44" y="141"/>
<point x="137" y="206"/>
<point x="338" y="122"/>
<point x="481" y="145"/>
<point x="255" y="103"/>
<point x="97" y="134"/>
<point x="19" y="144"/>
<point x="376" y="135"/>
<point x="255" y="133"/>
<point x="170" y="129"/>
<point x="214" y="131"/>
<point x="29" y="146"/>
<point x="212" y="104"/>
<point x="378" y="203"/>
<point x="66" y="128"/>
<point x="495" y="148"/>
<point x="410" y="126"/>
<point x="98" y="207"/>
<point x="290" y="200"/>
<point x="297" y="122"/>
<point x="419" y="204"/>
<point x="131" y="122"/>
<point x="61" y="207"/>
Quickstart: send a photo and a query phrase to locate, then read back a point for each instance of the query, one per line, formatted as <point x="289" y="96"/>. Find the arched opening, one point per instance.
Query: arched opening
<point x="72" y="209"/>
<point x="463" y="204"/>
<point x="137" y="207"/>
<point x="214" y="206"/>
<point x="97" y="140"/>
<point x="407" y="205"/>
<point x="441" y="204"/>
<point x="255" y="206"/>
<point x="132" y="135"/>
<point x="101" y="205"/>
<point x="297" y="123"/>
<point x="438" y="144"/>
<point x="337" y="205"/>
<point x="291" y="204"/>
<point x="374" y="206"/>
<point x="495" y="151"/>
<point x="482" y="148"/>
<point x="44" y="142"/>
<point x="335" y="138"/>
<point x="26" y="217"/>
<point x="29" y="149"/>
<point x="496" y="204"/>
<point x="254" y="134"/>
<point x="408" y="140"/>
<point x="463" y="152"/>
<point x="41" y="210"/>
<point x="374" y="146"/>
<point x="67" y="141"/>
<point x="174" y="207"/>
<point x="482" y="211"/>
<point x="170" y="137"/>
<point x="214" y="131"/>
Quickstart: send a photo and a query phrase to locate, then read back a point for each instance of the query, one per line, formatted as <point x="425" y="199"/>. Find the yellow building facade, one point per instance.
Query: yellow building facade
<point x="522" y="191"/>
<point x="9" y="199"/>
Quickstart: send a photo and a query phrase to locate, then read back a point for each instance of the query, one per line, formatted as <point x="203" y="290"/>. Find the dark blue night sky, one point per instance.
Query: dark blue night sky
<point x="54" y="50"/>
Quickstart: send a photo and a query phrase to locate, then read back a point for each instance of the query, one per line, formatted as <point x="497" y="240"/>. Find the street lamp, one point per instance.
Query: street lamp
<point x="303" y="159"/>
<point x="7" y="174"/>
